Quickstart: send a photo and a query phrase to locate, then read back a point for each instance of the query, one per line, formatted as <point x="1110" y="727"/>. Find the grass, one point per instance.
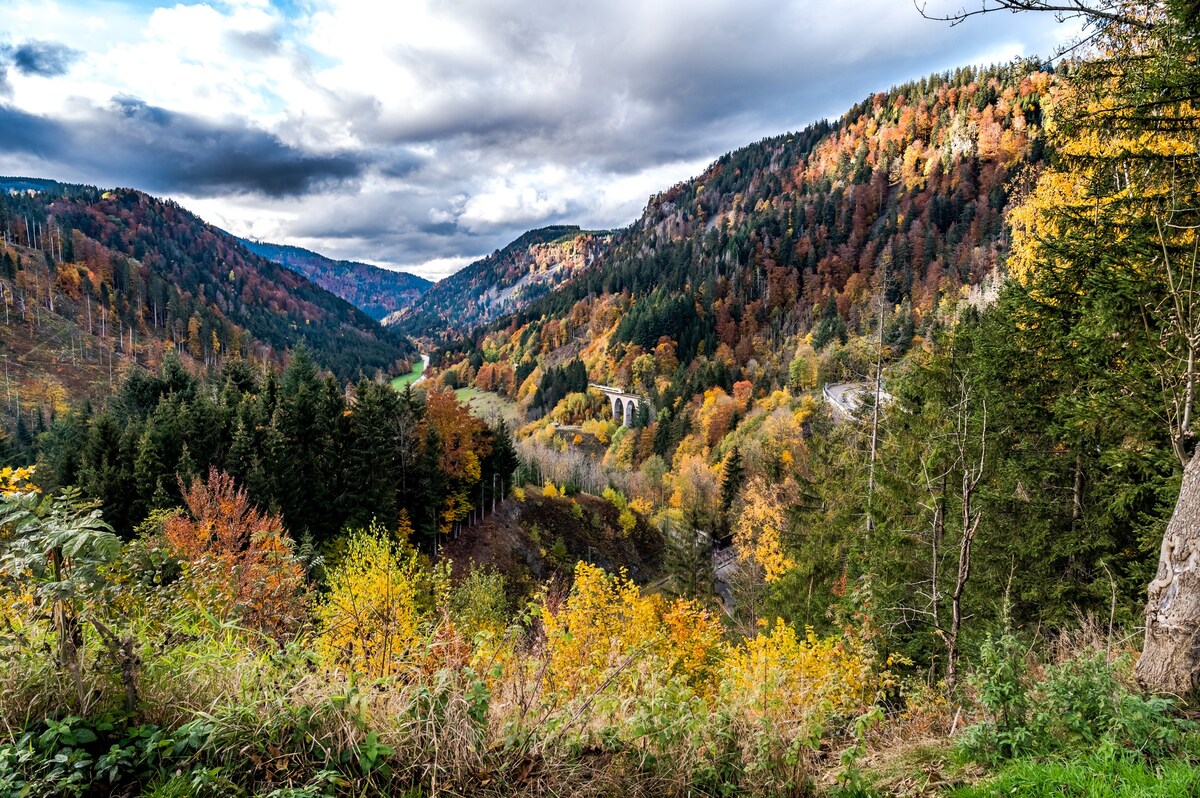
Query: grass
<point x="404" y="380"/>
<point x="921" y="766"/>
<point x="488" y="405"/>
<point x="1102" y="774"/>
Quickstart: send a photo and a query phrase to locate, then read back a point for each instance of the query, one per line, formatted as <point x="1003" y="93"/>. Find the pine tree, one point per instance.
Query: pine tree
<point x="24" y="438"/>
<point x="732" y="474"/>
<point x="301" y="462"/>
<point x="243" y="462"/>
<point x="497" y="467"/>
<point x="370" y="461"/>
<point x="427" y="494"/>
<point x="689" y="558"/>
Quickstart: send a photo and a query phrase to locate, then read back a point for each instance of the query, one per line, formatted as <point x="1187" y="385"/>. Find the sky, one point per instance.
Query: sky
<point x="424" y="134"/>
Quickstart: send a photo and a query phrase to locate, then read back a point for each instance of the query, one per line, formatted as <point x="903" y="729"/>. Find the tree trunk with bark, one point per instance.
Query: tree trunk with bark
<point x="1170" y="661"/>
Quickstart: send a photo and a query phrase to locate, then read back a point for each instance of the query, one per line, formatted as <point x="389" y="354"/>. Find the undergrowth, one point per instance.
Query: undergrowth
<point x="167" y="668"/>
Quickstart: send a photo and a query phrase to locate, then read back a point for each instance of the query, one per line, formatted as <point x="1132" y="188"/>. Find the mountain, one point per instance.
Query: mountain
<point x="796" y="239"/>
<point x="506" y="281"/>
<point x="377" y="292"/>
<point x="24" y="185"/>
<point x="94" y="280"/>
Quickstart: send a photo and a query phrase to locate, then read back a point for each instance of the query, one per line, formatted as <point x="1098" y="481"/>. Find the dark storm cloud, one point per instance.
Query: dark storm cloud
<point x="28" y="134"/>
<point x="132" y="143"/>
<point x="44" y="59"/>
<point x="37" y="58"/>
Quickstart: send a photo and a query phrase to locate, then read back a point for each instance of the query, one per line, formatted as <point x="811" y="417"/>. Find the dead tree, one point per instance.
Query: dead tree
<point x="973" y="467"/>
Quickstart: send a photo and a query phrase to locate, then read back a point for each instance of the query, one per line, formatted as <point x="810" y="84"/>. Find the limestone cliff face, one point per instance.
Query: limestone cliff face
<point x="504" y="282"/>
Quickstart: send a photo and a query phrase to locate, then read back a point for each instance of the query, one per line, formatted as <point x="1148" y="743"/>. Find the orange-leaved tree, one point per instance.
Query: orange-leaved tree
<point x="241" y="552"/>
<point x="463" y="447"/>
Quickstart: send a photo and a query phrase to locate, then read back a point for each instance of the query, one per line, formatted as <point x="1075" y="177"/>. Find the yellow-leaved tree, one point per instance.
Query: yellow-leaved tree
<point x="763" y="525"/>
<point x="1107" y="248"/>
<point x="369" y="622"/>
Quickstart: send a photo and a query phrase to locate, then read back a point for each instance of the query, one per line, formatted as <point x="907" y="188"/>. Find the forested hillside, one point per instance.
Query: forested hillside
<point x="908" y="506"/>
<point x="377" y="292"/>
<point x="505" y="281"/>
<point x="325" y="458"/>
<point x="873" y="247"/>
<point x="140" y="274"/>
<point x="910" y="184"/>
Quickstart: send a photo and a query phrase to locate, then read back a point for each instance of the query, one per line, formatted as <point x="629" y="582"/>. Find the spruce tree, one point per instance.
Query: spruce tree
<point x="425" y="498"/>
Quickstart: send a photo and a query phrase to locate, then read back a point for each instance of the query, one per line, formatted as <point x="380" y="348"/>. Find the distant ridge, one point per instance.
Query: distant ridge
<point x="506" y="281"/>
<point x="376" y="291"/>
<point x="125" y="276"/>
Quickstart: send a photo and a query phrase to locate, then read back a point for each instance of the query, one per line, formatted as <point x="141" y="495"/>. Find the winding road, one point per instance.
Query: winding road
<point x="847" y="397"/>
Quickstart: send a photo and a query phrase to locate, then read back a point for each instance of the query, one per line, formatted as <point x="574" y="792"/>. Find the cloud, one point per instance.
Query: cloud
<point x="35" y="58"/>
<point x="441" y="133"/>
<point x="44" y="59"/>
<point x="132" y="143"/>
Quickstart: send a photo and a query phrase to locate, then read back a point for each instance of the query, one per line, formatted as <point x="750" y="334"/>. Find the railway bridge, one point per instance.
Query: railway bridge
<point x="623" y="403"/>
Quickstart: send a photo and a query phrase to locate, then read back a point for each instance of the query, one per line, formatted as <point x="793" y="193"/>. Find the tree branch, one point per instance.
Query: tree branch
<point x="1094" y="12"/>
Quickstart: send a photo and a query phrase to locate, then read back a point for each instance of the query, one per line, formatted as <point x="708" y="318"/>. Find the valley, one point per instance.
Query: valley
<point x="377" y="292"/>
<point x="859" y="463"/>
<point x="413" y="377"/>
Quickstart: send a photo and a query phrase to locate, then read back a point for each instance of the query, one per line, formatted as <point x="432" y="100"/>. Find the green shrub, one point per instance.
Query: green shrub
<point x="75" y="756"/>
<point x="1003" y="693"/>
<point x="1078" y="705"/>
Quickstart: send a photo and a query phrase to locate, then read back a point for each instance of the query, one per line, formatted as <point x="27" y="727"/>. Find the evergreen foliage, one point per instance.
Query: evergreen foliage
<point x="556" y="383"/>
<point x="323" y="459"/>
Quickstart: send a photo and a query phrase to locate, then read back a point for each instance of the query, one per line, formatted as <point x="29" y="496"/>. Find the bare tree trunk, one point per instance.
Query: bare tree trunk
<point x="1170" y="661"/>
<point x="972" y="475"/>
<point x="875" y="411"/>
<point x="970" y="527"/>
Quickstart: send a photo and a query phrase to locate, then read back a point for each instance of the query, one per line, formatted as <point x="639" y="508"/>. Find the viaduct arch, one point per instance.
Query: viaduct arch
<point x="623" y="404"/>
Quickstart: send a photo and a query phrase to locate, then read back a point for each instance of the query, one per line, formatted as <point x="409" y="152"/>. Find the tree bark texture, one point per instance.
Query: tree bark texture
<point x="1170" y="661"/>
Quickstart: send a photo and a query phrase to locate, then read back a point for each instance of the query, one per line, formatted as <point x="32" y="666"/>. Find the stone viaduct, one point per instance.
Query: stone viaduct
<point x="623" y="404"/>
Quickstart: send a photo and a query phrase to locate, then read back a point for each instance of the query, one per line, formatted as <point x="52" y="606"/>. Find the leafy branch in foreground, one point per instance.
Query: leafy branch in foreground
<point x="58" y="544"/>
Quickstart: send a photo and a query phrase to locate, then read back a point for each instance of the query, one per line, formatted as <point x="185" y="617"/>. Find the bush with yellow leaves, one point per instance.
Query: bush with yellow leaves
<point x="608" y="632"/>
<point x="658" y="680"/>
<point x="369" y="621"/>
<point x="781" y="677"/>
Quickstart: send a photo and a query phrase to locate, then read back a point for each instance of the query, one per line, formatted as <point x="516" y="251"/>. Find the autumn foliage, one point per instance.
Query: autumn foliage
<point x="243" y="553"/>
<point x="787" y="678"/>
<point x="607" y="625"/>
<point x="462" y="447"/>
<point x="369" y="619"/>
